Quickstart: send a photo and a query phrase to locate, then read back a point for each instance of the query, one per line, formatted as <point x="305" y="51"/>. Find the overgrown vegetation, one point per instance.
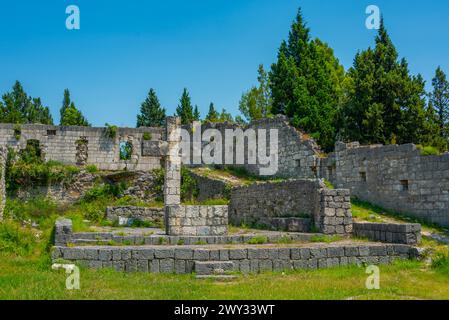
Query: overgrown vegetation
<point x="29" y="169"/>
<point x="110" y="131"/>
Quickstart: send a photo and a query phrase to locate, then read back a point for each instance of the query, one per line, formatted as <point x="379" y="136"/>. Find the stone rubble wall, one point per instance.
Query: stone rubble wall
<point x="334" y="215"/>
<point x="63" y="232"/>
<point x="298" y="155"/>
<point x="209" y="188"/>
<point x="395" y="177"/>
<point x="407" y="233"/>
<point x="182" y="259"/>
<point x="3" y="156"/>
<point x="134" y="213"/>
<point x="294" y="198"/>
<point x="197" y="220"/>
<point x="69" y="145"/>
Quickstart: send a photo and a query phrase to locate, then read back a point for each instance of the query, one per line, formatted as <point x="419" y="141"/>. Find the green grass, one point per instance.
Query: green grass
<point x="326" y="238"/>
<point x="29" y="279"/>
<point x="365" y="211"/>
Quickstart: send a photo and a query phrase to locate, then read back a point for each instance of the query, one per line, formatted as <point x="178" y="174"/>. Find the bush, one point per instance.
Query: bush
<point x="147" y="136"/>
<point x="258" y="240"/>
<point x="91" y="168"/>
<point x="189" y="187"/>
<point x="429" y="151"/>
<point x="110" y="131"/>
<point x="440" y="262"/>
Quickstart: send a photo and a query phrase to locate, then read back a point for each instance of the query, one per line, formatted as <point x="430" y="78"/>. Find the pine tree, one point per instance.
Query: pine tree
<point x="18" y="107"/>
<point x="439" y="99"/>
<point x="151" y="112"/>
<point x="184" y="109"/>
<point x="212" y="115"/>
<point x="306" y="84"/>
<point x="196" y="114"/>
<point x="225" y="116"/>
<point x="385" y="103"/>
<point x="70" y="115"/>
<point x="256" y="103"/>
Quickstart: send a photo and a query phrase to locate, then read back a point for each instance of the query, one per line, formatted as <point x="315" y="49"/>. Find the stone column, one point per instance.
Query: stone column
<point x="3" y="155"/>
<point x="172" y="182"/>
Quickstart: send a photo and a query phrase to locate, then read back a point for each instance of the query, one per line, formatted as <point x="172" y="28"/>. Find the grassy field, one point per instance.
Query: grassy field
<point x="25" y="278"/>
<point x="25" y="271"/>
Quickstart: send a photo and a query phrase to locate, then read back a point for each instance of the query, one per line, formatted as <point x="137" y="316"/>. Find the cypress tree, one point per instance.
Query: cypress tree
<point x="184" y="109"/>
<point x="151" y="112"/>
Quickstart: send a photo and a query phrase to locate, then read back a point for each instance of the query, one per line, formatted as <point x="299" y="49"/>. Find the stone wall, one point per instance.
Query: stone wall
<point x="209" y="188"/>
<point x="63" y="232"/>
<point x="128" y="214"/>
<point x="197" y="220"/>
<point x="183" y="259"/>
<point x="262" y="203"/>
<point x="253" y="204"/>
<point x="297" y="156"/>
<point x="334" y="214"/>
<point x="395" y="177"/>
<point x="3" y="156"/>
<point x="407" y="233"/>
<point x="84" y="145"/>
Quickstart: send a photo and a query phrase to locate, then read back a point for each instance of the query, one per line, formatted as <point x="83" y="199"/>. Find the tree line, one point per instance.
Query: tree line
<point x="377" y="100"/>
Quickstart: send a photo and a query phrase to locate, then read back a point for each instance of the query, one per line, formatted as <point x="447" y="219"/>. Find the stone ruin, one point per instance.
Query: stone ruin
<point x="298" y="208"/>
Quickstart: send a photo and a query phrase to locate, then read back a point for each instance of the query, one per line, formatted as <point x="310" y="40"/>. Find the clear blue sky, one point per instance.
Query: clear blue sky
<point x="211" y="47"/>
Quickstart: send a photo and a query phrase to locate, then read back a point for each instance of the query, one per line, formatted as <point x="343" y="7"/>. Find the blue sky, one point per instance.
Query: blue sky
<point x="211" y="47"/>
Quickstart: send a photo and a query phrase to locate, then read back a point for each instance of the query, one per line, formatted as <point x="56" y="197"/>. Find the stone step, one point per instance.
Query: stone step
<point x="222" y="277"/>
<point x="213" y="267"/>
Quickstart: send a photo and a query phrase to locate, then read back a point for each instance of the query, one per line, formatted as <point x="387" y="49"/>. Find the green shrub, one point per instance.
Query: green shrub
<point x="91" y="168"/>
<point x="110" y="131"/>
<point x="440" y="261"/>
<point x="429" y="151"/>
<point x="16" y="239"/>
<point x="258" y="240"/>
<point x="17" y="131"/>
<point x="147" y="136"/>
<point x="189" y="186"/>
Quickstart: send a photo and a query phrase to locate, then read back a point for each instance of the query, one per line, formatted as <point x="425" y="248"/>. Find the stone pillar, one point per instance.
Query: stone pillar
<point x="3" y="156"/>
<point x="334" y="212"/>
<point x="172" y="182"/>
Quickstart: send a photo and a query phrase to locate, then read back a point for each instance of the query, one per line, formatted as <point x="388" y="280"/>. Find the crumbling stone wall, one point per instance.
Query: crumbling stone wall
<point x="3" y="156"/>
<point x="85" y="145"/>
<point x="264" y="203"/>
<point x="134" y="213"/>
<point x="334" y="213"/>
<point x="298" y="155"/>
<point x="254" y="204"/>
<point x="395" y="177"/>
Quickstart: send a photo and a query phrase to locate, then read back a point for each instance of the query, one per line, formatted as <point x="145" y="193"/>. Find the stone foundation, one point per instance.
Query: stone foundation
<point x="127" y="214"/>
<point x="334" y="215"/>
<point x="407" y="233"/>
<point x="197" y="220"/>
<point x="183" y="259"/>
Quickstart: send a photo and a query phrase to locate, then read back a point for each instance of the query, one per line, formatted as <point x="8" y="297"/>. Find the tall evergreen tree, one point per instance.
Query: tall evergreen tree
<point x="256" y="103"/>
<point x="185" y="109"/>
<point x="151" y="112"/>
<point x="306" y="84"/>
<point x="70" y="115"/>
<point x="439" y="99"/>
<point x="385" y="103"/>
<point x="18" y="107"/>
<point x="212" y="115"/>
<point x="196" y="114"/>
